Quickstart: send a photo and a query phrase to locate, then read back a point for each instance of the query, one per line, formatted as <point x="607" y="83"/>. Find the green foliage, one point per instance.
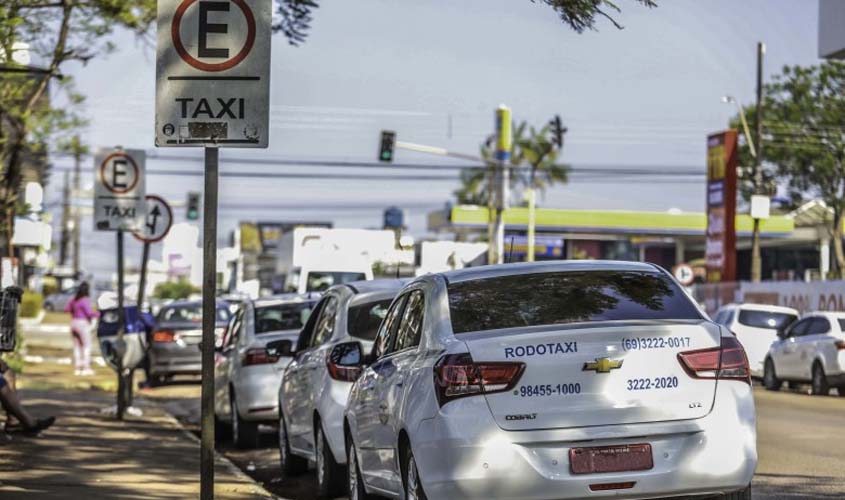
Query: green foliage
<point x="295" y="16"/>
<point x="533" y="163"/>
<point x="31" y="304"/>
<point x="174" y="290"/>
<point x="803" y="144"/>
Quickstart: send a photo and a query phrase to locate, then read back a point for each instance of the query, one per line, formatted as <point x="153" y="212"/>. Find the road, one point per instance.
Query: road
<point x="801" y="444"/>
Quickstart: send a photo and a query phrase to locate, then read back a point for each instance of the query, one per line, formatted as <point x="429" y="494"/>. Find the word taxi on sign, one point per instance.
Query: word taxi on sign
<point x="213" y="73"/>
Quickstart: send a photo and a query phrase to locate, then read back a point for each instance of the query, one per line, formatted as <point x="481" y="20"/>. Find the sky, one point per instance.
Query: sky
<point x="434" y="71"/>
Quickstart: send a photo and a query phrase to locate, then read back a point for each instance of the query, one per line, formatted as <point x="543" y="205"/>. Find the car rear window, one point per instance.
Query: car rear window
<point x="278" y="317"/>
<point x="522" y="300"/>
<point x="766" y="319"/>
<point x="841" y="324"/>
<point x="364" y="319"/>
<point x="189" y="313"/>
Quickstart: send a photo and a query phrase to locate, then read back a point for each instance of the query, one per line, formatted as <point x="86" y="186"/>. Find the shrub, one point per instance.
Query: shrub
<point x="174" y="290"/>
<point x="31" y="304"/>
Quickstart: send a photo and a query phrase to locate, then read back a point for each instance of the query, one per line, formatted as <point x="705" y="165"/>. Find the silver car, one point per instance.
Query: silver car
<point x="246" y="375"/>
<point x="317" y="383"/>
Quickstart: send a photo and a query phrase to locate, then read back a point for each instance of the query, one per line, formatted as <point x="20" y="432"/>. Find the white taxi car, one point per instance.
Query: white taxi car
<point x="551" y="380"/>
<point x="316" y="384"/>
<point x="811" y="350"/>
<point x="757" y="327"/>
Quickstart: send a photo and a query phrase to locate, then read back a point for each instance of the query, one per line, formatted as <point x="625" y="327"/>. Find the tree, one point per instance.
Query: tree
<point x="804" y="137"/>
<point x="295" y="16"/>
<point x="532" y="149"/>
<point x="50" y="33"/>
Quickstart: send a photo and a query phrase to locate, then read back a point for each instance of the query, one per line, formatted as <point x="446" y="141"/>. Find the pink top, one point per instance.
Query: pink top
<point x="81" y="309"/>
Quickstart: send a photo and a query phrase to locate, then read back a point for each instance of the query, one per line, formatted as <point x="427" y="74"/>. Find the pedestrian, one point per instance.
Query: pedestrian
<point x="81" y="315"/>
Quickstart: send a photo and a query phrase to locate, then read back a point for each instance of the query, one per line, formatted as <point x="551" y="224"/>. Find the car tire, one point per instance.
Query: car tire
<point x="770" y="379"/>
<point x="411" y="481"/>
<point x="355" y="482"/>
<point x="841" y="390"/>
<point x="244" y="433"/>
<point x="819" y="387"/>
<point x="739" y="495"/>
<point x="329" y="473"/>
<point x="221" y="430"/>
<point x="290" y="464"/>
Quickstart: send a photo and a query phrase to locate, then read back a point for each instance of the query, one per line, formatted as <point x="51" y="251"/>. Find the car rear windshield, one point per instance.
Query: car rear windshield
<point x="842" y="324"/>
<point x="189" y="313"/>
<point x="363" y="320"/>
<point x="766" y="319"/>
<point x="522" y="300"/>
<point x="278" y="317"/>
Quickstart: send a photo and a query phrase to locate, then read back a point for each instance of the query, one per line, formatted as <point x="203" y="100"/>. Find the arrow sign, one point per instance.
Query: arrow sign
<point x="159" y="218"/>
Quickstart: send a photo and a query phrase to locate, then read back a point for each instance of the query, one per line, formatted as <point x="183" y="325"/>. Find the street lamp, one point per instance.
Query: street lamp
<point x="730" y="100"/>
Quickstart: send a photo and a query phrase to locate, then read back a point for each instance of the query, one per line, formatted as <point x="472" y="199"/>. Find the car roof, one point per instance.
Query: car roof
<point x="190" y="303"/>
<point x="286" y="298"/>
<point x="826" y="314"/>
<point x="763" y="307"/>
<point x="379" y="285"/>
<point x="481" y="272"/>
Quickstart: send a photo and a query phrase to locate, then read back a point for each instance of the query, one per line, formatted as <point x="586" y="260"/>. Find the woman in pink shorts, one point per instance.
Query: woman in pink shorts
<point x="81" y="315"/>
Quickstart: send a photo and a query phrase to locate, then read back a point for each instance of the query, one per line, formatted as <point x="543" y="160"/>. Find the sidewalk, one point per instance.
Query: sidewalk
<point x="89" y="455"/>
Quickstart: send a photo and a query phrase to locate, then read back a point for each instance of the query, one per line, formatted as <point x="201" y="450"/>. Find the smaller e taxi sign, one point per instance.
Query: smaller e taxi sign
<point x="213" y="73"/>
<point x="119" y="190"/>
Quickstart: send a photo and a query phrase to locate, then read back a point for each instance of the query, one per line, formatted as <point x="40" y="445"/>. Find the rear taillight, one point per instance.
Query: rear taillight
<point x="726" y="362"/>
<point x="257" y="356"/>
<point x="840" y="345"/>
<point x="343" y="373"/>
<point x="457" y="375"/>
<point x="164" y="336"/>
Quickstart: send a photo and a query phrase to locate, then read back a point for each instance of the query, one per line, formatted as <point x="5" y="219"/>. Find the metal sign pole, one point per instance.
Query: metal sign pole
<point x="121" y="326"/>
<point x="209" y="287"/>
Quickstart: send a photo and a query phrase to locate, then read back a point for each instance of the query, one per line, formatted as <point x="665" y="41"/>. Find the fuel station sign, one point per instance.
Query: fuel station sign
<point x="213" y="73"/>
<point x="720" y="250"/>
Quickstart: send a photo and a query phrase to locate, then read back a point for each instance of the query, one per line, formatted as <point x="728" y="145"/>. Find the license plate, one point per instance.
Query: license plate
<point x="629" y="457"/>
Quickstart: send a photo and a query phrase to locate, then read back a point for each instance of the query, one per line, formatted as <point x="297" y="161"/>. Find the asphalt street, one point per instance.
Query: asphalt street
<point x="801" y="445"/>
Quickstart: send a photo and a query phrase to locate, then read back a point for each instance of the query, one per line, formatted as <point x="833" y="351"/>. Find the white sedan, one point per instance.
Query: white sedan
<point x="811" y="350"/>
<point x="551" y="380"/>
<point x="757" y="327"/>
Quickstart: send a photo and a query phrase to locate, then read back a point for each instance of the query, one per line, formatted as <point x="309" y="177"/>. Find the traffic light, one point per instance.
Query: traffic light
<point x="193" y="206"/>
<point x="388" y="141"/>
<point x="557" y="131"/>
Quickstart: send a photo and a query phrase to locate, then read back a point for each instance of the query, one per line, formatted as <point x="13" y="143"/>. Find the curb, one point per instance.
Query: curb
<point x="258" y="488"/>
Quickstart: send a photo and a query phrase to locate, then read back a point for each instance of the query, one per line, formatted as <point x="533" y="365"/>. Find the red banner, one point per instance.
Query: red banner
<point x="720" y="251"/>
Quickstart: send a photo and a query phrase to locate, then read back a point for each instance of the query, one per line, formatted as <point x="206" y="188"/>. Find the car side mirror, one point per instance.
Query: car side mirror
<point x="782" y="334"/>
<point x="280" y="348"/>
<point x="346" y="361"/>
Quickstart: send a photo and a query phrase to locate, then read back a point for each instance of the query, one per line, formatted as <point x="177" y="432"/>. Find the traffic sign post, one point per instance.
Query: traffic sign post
<point x="212" y="90"/>
<point x="119" y="185"/>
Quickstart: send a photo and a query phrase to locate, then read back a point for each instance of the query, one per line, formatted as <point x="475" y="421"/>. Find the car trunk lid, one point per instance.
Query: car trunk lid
<point x="586" y="374"/>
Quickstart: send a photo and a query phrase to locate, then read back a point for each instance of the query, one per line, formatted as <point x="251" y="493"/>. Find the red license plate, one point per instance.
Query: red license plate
<point x="627" y="457"/>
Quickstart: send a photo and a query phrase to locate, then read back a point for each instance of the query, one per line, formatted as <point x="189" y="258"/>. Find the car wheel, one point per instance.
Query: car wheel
<point x="290" y="464"/>
<point x="357" y="491"/>
<point x="770" y="379"/>
<point x="819" y="387"/>
<point x="739" y="495"/>
<point x="221" y="430"/>
<point x="413" y="486"/>
<point x="841" y="390"/>
<point x="329" y="472"/>
<point x="244" y="434"/>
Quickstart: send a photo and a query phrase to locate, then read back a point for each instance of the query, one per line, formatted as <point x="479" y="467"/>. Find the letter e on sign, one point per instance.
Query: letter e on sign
<point x="213" y="73"/>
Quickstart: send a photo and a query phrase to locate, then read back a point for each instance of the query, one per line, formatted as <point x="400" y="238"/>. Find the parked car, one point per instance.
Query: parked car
<point x="247" y="377"/>
<point x="316" y="384"/>
<point x="811" y="350"/>
<point x="57" y="301"/>
<point x="551" y="380"/>
<point x="174" y="344"/>
<point x="757" y="327"/>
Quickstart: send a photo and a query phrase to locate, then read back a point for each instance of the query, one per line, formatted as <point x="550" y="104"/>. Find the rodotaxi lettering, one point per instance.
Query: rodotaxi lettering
<point x="541" y="349"/>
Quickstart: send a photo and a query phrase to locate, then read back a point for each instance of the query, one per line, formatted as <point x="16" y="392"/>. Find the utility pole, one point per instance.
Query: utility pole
<point x="65" y="236"/>
<point x="756" y="263"/>
<point x="504" y="144"/>
<point x="77" y="166"/>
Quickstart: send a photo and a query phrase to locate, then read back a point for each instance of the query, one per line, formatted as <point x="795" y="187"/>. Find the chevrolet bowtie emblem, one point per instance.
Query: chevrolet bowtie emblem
<point x="602" y="365"/>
